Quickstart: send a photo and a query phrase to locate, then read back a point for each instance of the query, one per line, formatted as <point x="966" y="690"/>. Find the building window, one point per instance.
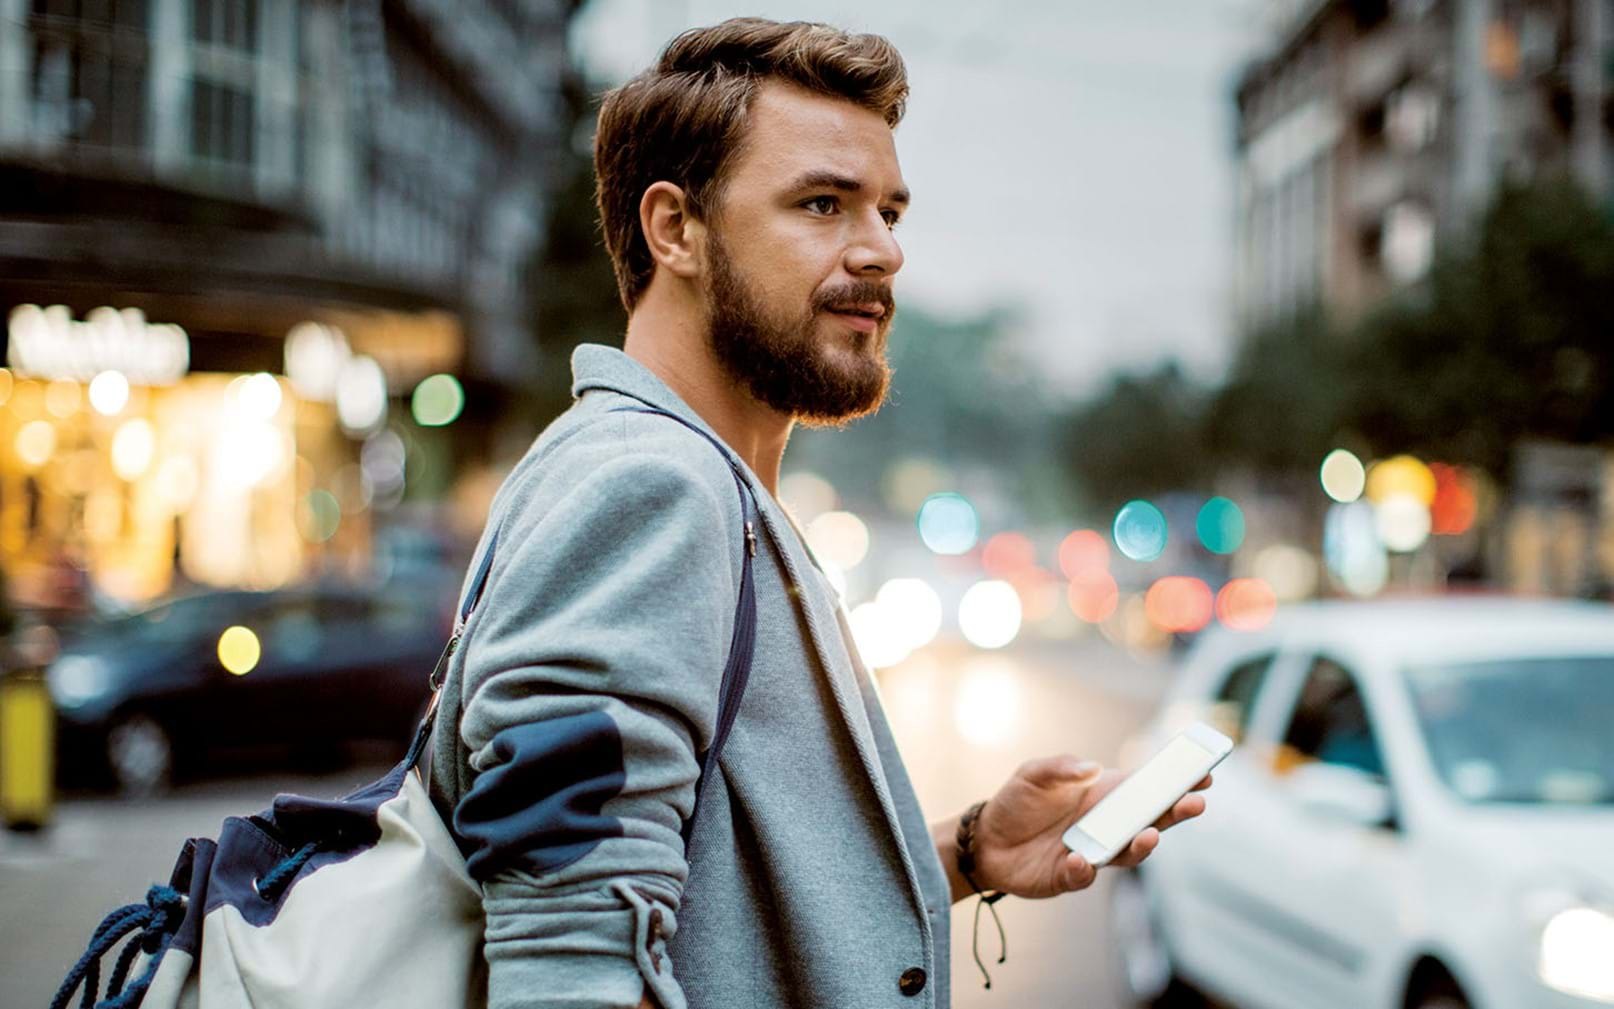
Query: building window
<point x="232" y="23"/>
<point x="221" y="123"/>
<point x="88" y="81"/>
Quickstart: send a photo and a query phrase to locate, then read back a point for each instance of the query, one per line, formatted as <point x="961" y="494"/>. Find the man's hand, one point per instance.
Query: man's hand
<point x="1017" y="839"/>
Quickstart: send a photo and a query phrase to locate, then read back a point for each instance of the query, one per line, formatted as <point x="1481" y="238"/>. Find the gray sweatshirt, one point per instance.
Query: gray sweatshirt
<point x="585" y="690"/>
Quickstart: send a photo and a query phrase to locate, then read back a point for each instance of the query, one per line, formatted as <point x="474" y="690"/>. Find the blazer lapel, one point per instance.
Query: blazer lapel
<point x="826" y="630"/>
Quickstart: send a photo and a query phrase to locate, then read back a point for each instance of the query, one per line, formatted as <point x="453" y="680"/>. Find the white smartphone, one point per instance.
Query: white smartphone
<point x="1147" y="793"/>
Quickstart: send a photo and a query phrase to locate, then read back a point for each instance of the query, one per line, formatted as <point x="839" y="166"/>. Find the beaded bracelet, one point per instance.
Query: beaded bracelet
<point x="964" y="843"/>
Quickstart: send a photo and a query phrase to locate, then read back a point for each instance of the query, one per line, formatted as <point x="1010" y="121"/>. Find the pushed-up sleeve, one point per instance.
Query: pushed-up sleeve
<point x="591" y="682"/>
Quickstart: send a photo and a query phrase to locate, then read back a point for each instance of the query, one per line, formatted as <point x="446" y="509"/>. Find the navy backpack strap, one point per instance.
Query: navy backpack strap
<point x="742" y="647"/>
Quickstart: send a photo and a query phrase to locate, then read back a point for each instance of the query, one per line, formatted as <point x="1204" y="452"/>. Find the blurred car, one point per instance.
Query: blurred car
<point x="1419" y="814"/>
<point x="142" y="695"/>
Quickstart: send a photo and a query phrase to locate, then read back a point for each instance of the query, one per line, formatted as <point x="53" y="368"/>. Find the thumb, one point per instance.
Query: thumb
<point x="1051" y="772"/>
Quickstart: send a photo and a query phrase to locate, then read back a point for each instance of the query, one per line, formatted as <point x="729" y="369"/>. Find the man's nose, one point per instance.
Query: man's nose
<point x="873" y="250"/>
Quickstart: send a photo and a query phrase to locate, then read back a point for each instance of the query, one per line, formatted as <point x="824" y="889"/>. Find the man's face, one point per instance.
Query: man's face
<point x="800" y="256"/>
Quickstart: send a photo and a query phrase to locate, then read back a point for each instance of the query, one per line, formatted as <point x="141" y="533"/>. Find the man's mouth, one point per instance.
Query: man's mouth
<point x="868" y="311"/>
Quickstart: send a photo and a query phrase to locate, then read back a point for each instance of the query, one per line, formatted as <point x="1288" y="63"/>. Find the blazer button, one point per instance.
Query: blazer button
<point x="912" y="981"/>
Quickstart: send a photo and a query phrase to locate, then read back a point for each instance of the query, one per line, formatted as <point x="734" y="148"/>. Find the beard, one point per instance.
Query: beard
<point x="785" y="364"/>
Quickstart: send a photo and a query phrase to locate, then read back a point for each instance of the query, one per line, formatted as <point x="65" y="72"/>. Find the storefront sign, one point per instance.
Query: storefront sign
<point x="49" y="343"/>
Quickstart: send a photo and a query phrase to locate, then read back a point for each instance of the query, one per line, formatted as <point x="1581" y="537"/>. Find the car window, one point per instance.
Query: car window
<point x="1331" y="723"/>
<point x="289" y="628"/>
<point x="1235" y="701"/>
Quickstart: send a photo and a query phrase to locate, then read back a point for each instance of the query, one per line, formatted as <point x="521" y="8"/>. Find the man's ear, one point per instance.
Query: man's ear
<point x="670" y="230"/>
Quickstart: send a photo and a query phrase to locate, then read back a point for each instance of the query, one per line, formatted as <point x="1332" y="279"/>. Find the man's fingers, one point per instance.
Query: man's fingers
<point x="1076" y="873"/>
<point x="1187" y="807"/>
<point x="1204" y="783"/>
<point x="1138" y="850"/>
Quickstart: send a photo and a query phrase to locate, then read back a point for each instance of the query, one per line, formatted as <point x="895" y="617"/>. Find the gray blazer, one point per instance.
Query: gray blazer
<point x="585" y="688"/>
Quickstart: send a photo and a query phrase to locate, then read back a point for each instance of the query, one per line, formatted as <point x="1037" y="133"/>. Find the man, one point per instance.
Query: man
<point x="748" y="188"/>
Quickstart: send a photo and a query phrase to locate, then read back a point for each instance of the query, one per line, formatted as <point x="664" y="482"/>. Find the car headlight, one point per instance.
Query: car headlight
<point x="76" y="680"/>
<point x="1575" y="953"/>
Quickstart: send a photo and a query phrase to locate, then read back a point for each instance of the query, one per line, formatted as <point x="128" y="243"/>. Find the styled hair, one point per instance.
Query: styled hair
<point x="684" y="120"/>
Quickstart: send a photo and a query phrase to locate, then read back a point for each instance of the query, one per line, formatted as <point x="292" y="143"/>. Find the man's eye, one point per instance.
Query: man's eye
<point x="821" y="204"/>
<point x="892" y="218"/>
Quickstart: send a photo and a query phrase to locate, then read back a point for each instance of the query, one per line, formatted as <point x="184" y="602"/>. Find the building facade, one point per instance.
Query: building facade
<point x="1369" y="130"/>
<point x="233" y="233"/>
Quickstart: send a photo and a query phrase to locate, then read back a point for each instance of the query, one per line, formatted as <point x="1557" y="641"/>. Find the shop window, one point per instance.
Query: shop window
<point x="1331" y="723"/>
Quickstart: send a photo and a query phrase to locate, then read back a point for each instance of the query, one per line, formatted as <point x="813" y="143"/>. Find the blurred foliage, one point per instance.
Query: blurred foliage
<point x="1509" y="338"/>
<point x="961" y="399"/>
<point x="1506" y="339"/>
<point x="1143" y="436"/>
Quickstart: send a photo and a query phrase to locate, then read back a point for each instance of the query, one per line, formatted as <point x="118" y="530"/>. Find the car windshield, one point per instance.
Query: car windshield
<point x="1532" y="730"/>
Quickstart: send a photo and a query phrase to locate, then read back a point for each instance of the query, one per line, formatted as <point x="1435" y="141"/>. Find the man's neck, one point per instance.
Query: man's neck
<point x="675" y="349"/>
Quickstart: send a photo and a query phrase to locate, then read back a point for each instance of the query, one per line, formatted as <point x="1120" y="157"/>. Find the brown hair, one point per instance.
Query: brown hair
<point x="683" y="120"/>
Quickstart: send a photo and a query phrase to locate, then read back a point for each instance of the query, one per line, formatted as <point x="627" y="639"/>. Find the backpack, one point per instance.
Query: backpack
<point x="333" y="903"/>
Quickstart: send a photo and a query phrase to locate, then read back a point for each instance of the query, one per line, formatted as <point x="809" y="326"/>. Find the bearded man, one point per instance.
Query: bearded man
<point x="748" y="189"/>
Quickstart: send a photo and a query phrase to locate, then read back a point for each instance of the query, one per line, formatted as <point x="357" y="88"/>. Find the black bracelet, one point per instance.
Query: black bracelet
<point x="965" y="854"/>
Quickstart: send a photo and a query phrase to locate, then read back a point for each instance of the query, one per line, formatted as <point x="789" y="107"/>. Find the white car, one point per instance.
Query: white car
<point x="1419" y="813"/>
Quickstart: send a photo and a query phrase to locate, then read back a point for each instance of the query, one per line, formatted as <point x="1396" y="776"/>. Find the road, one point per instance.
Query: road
<point x="964" y="719"/>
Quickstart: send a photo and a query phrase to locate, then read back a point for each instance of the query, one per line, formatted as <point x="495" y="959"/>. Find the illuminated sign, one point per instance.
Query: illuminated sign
<point x="49" y="343"/>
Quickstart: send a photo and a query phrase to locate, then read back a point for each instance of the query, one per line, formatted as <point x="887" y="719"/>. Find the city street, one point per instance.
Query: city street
<point x="1027" y="700"/>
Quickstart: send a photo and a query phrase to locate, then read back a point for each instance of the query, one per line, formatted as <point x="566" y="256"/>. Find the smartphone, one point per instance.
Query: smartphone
<point x="1147" y="793"/>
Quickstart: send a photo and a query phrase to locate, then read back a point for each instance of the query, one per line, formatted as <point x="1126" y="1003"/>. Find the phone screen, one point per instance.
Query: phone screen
<point x="1150" y="791"/>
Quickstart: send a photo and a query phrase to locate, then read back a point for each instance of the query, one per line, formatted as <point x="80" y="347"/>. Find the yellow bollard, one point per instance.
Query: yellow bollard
<point x="27" y="750"/>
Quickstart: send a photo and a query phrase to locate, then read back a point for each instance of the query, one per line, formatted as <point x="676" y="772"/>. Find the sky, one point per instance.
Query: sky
<point x="1072" y="158"/>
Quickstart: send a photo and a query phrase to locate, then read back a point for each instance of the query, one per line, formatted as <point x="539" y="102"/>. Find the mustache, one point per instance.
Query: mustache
<point x="858" y="292"/>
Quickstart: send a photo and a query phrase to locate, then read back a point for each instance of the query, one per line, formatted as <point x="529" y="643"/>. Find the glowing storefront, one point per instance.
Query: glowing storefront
<point x="126" y="470"/>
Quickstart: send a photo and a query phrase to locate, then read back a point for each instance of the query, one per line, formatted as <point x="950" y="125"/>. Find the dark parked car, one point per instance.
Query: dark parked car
<point x="303" y="670"/>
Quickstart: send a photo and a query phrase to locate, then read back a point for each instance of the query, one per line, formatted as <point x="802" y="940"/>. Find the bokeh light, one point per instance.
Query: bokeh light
<point x="63" y="398"/>
<point x="840" y="538"/>
<point x="879" y="641"/>
<point x="988" y="709"/>
<point x="35" y="443"/>
<point x="948" y="524"/>
<point x="1343" y="476"/>
<point x="808" y="495"/>
<point x="239" y="650"/>
<point x="320" y="516"/>
<point x="1353" y="550"/>
<point x="1403" y="522"/>
<point x="907" y="483"/>
<point x="1246" y="604"/>
<point x="912" y="609"/>
<point x="1290" y="571"/>
<point x="177" y="482"/>
<point x="109" y="393"/>
<point x="1456" y="504"/>
<point x="1083" y="550"/>
<point x="1140" y="531"/>
<point x="259" y="395"/>
<point x="989" y="614"/>
<point x="133" y="446"/>
<point x="1178" y="604"/>
<point x="1007" y="555"/>
<point x="1220" y="526"/>
<point x="1093" y="595"/>
<point x="1401" y="474"/>
<point x="361" y="395"/>
<point x="437" y="401"/>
